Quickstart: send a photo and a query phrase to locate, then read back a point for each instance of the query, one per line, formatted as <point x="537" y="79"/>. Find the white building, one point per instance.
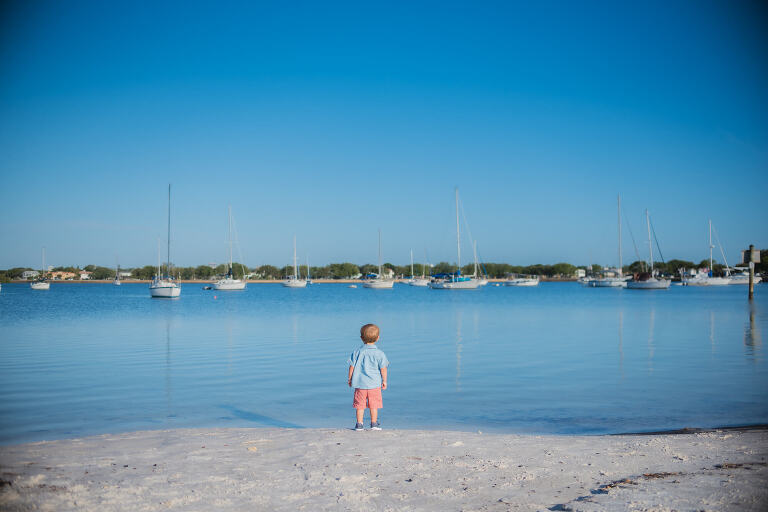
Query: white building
<point x="30" y="274"/>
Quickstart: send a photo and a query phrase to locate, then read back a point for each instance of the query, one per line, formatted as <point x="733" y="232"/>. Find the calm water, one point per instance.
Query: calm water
<point x="90" y="358"/>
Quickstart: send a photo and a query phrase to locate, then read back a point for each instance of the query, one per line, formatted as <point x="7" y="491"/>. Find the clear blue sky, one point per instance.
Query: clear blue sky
<point x="330" y="121"/>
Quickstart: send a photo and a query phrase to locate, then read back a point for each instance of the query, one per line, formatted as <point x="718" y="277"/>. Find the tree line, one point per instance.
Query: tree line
<point x="348" y="270"/>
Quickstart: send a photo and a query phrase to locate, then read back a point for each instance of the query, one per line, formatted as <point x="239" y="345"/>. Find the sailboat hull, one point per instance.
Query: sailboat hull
<point x="650" y="284"/>
<point x="378" y="284"/>
<point x="419" y="282"/>
<point x="470" y="284"/>
<point x="295" y="283"/>
<point x="164" y="290"/>
<point x="229" y="285"/>
<point x="611" y="282"/>
<point x="40" y="286"/>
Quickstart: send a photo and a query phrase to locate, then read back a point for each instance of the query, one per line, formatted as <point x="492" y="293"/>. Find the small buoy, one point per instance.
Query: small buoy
<point x="214" y="297"/>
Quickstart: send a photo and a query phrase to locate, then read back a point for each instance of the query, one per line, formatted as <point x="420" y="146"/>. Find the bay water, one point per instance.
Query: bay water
<point x="85" y="359"/>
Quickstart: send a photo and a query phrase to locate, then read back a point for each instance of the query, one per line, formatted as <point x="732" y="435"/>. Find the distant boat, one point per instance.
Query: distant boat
<point x="228" y="282"/>
<point x="455" y="281"/>
<point x="706" y="278"/>
<point x="742" y="277"/>
<point x="647" y="280"/>
<point x="522" y="281"/>
<point x="42" y="283"/>
<point x="116" y="281"/>
<point x="293" y="281"/>
<point x="352" y="286"/>
<point x="377" y="281"/>
<point x="164" y="286"/>
<point x="418" y="281"/>
<point x="612" y="282"/>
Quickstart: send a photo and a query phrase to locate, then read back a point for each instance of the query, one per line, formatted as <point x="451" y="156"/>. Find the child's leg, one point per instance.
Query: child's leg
<point x="360" y="413"/>
<point x="374" y="415"/>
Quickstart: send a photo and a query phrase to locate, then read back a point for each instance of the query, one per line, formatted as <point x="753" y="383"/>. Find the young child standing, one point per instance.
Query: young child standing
<point x="368" y="375"/>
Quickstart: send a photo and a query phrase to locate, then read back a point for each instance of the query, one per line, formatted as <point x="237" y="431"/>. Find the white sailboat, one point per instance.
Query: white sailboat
<point x="522" y="281"/>
<point x="116" y="280"/>
<point x="455" y="281"/>
<point x="706" y="278"/>
<point x="42" y="283"/>
<point x="476" y="275"/>
<point x="293" y="281"/>
<point x="613" y="282"/>
<point x="378" y="282"/>
<point x="417" y="281"/>
<point x="165" y="286"/>
<point x="647" y="281"/>
<point x="742" y="276"/>
<point x="228" y="282"/>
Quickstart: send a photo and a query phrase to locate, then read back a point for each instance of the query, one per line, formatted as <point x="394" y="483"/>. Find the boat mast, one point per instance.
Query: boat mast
<point x="168" y="262"/>
<point x="618" y="208"/>
<point x="379" y="253"/>
<point x="458" y="243"/>
<point x="42" y="269"/>
<point x="295" y="269"/>
<point x="308" y="278"/>
<point x="710" y="248"/>
<point x="230" y="239"/>
<point x="474" y="248"/>
<point x="650" y="245"/>
<point x="412" y="264"/>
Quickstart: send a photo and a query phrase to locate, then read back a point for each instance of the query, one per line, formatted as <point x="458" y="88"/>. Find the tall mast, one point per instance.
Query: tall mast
<point x="458" y="243"/>
<point x="43" y="263"/>
<point x="411" y="263"/>
<point x="474" y="248"/>
<point x="379" y="253"/>
<point x="168" y="262"/>
<point x="618" y="208"/>
<point x="308" y="278"/>
<point x="710" y="248"/>
<point x="159" y="252"/>
<point x="650" y="245"/>
<point x="230" y="238"/>
<point x="295" y="269"/>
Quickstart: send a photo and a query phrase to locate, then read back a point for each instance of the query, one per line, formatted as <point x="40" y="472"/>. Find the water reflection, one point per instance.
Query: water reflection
<point x="458" y="351"/>
<point x="168" y="385"/>
<point x="621" y="343"/>
<point x="752" y="338"/>
<point x="712" y="330"/>
<point x="650" y="340"/>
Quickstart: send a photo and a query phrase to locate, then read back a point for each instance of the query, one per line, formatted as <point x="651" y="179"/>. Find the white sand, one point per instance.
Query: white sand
<point x="280" y="469"/>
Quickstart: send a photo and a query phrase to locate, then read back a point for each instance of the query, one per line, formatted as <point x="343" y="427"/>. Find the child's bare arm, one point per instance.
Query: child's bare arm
<point x="349" y="379"/>
<point x="384" y="378"/>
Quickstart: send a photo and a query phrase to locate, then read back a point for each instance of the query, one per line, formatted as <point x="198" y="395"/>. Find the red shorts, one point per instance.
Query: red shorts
<point x="367" y="398"/>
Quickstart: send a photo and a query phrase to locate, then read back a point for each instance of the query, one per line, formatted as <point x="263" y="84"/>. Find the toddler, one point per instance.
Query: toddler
<point x="368" y="375"/>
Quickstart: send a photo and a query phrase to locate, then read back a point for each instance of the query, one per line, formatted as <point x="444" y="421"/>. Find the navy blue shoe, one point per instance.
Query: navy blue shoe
<point x="375" y="426"/>
<point x="358" y="427"/>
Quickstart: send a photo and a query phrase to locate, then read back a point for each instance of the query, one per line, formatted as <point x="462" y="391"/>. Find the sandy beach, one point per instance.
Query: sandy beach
<point x="310" y="469"/>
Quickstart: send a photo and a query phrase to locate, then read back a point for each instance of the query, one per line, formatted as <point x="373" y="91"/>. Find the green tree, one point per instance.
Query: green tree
<point x="268" y="272"/>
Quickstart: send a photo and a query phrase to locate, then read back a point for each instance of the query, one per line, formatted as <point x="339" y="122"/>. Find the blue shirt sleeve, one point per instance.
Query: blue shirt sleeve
<point x="384" y="361"/>
<point x="351" y="360"/>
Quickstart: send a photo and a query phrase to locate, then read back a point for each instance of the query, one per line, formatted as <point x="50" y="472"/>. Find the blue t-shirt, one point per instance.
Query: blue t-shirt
<point x="368" y="361"/>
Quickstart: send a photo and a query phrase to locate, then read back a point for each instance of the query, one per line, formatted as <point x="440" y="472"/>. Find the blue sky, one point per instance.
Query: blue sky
<point x="331" y="121"/>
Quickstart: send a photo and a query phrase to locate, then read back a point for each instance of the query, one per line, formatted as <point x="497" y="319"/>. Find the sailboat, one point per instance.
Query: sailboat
<point x="455" y="281"/>
<point x="417" y="281"/>
<point x="116" y="281"/>
<point x="647" y="281"/>
<point x="613" y="282"/>
<point x="293" y="281"/>
<point x="378" y="281"/>
<point x="41" y="283"/>
<point x="228" y="282"/>
<point x="165" y="286"/>
<point x="706" y="278"/>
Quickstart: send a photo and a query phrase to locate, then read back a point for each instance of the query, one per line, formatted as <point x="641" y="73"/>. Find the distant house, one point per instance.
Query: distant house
<point x="60" y="275"/>
<point x="388" y="273"/>
<point x="580" y="272"/>
<point x="125" y="274"/>
<point x="30" y="274"/>
<point x="85" y="275"/>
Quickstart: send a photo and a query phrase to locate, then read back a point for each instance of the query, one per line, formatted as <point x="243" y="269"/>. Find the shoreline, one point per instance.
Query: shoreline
<point x="256" y="281"/>
<point x="339" y="469"/>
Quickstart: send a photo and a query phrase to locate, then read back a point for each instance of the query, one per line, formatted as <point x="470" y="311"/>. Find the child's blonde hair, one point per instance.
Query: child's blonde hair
<point x="369" y="333"/>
